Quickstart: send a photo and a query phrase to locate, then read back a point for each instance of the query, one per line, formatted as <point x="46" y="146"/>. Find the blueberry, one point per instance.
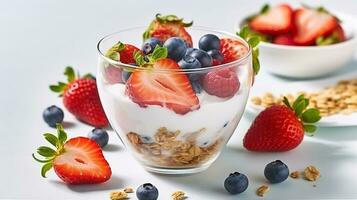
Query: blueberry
<point x="176" y="48"/>
<point x="216" y="56"/>
<point x="147" y="191"/>
<point x="203" y="57"/>
<point x="125" y="75"/>
<point x="150" y="44"/>
<point x="209" y="42"/>
<point x="100" y="136"/>
<point x="189" y="62"/>
<point x="196" y="86"/>
<point x="276" y="171"/>
<point x="236" y="183"/>
<point x="53" y="115"/>
<point x="190" y="50"/>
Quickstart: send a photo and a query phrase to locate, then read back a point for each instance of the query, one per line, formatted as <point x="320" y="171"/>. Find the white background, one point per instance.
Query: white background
<point x="39" y="38"/>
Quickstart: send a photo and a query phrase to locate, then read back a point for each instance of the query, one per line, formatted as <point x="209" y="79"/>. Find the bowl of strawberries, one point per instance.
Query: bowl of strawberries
<point x="174" y="93"/>
<point x="304" y="42"/>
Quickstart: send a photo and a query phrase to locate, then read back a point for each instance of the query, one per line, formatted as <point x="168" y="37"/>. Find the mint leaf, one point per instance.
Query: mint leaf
<point x="139" y="59"/>
<point x="51" y="139"/>
<point x="244" y="32"/>
<point x="159" y="53"/>
<point x="254" y="41"/>
<point x="311" y="115"/>
<point x="45" y="168"/>
<point x="46" y="151"/>
<point x="309" y="128"/>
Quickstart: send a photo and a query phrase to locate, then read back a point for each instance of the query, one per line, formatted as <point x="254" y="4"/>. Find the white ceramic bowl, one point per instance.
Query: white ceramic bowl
<point x="310" y="61"/>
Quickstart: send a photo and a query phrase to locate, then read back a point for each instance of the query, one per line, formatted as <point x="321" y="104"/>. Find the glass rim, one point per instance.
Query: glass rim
<point x="200" y="28"/>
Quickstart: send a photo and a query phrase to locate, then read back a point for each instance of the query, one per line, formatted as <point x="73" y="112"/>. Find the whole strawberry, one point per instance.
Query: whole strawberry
<point x="123" y="53"/>
<point x="81" y="98"/>
<point x="281" y="127"/>
<point x="77" y="161"/>
<point x="165" y="27"/>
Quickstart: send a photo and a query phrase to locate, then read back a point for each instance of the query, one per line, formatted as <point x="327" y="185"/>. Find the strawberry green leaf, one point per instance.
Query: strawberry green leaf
<point x="69" y="72"/>
<point x="159" y="53"/>
<point x="298" y="100"/>
<point x="244" y="33"/>
<point x="256" y="65"/>
<point x="254" y="41"/>
<point x="41" y="161"/>
<point x="62" y="136"/>
<point x="264" y="9"/>
<point x="46" y="151"/>
<point x="51" y="139"/>
<point x="45" y="168"/>
<point x="309" y="128"/>
<point x="139" y="59"/>
<point x="299" y="108"/>
<point x="311" y="115"/>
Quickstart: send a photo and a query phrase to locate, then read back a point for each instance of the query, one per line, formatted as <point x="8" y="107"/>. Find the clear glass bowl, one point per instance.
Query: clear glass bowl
<point x="160" y="139"/>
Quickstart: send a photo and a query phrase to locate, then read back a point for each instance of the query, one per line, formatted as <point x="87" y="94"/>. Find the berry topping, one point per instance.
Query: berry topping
<point x="122" y="52"/>
<point x="113" y="74"/>
<point x="171" y="89"/>
<point x="189" y="62"/>
<point x="236" y="183"/>
<point x="147" y="191"/>
<point x="202" y="56"/>
<point x="126" y="76"/>
<point x="81" y="98"/>
<point x="276" y="172"/>
<point x="196" y="86"/>
<point x="150" y="44"/>
<point x="285" y="39"/>
<point x="176" y="48"/>
<point x="217" y="57"/>
<point x="190" y="50"/>
<point x="209" y="42"/>
<point x="221" y="83"/>
<point x="53" y="115"/>
<point x="232" y="49"/>
<point x="76" y="161"/>
<point x="100" y="136"/>
<point x="281" y="127"/>
<point x="165" y="27"/>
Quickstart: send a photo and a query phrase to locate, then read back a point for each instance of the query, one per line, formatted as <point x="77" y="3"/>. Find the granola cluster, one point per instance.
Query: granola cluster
<point x="337" y="99"/>
<point x="167" y="150"/>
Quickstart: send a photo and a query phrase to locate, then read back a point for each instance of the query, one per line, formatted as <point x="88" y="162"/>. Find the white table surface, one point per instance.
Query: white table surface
<point x="38" y="38"/>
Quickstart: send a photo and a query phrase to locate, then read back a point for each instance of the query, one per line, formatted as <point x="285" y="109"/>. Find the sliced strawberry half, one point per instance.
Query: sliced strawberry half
<point x="311" y="24"/>
<point x="78" y="161"/>
<point x="123" y="53"/>
<point x="285" y="39"/>
<point x="273" y="21"/>
<point x="232" y="49"/>
<point x="340" y="33"/>
<point x="169" y="89"/>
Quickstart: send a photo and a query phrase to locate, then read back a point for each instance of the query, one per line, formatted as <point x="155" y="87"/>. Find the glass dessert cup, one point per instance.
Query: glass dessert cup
<point x="162" y="140"/>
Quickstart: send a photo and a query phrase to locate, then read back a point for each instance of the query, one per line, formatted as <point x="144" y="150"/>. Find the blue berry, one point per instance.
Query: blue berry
<point x="189" y="62"/>
<point x="150" y="44"/>
<point x="203" y="57"/>
<point x="100" y="136"/>
<point x="53" y="115"/>
<point x="176" y="48"/>
<point x="125" y="75"/>
<point x="217" y="56"/>
<point x="147" y="191"/>
<point x="209" y="42"/>
<point x="276" y="171"/>
<point x="196" y="86"/>
<point x="236" y="183"/>
<point x="190" y="50"/>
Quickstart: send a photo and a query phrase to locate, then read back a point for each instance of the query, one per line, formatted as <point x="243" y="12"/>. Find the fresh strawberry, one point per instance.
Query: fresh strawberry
<point x="273" y="21"/>
<point x="340" y="33"/>
<point x="232" y="50"/>
<point x="169" y="89"/>
<point x="311" y="24"/>
<point x="285" y="39"/>
<point x="76" y="161"/>
<point x="164" y="27"/>
<point x="123" y="53"/>
<point x="281" y="127"/>
<point x="81" y="98"/>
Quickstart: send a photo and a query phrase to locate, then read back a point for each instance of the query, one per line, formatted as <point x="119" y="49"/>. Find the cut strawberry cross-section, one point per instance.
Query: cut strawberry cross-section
<point x="167" y="89"/>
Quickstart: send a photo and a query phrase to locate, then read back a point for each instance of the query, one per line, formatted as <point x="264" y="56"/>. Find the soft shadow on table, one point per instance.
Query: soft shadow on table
<point x="68" y="124"/>
<point x="112" y="148"/>
<point x="113" y="184"/>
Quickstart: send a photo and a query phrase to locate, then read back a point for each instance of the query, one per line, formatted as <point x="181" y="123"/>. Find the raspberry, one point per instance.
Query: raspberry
<point x="113" y="74"/>
<point x="221" y="83"/>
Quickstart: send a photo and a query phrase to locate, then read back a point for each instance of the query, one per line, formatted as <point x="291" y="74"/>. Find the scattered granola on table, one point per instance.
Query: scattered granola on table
<point x="338" y="99"/>
<point x="128" y="190"/>
<point x="178" y="195"/>
<point x="118" y="195"/>
<point x="311" y="173"/>
<point x="262" y="190"/>
<point x="295" y="174"/>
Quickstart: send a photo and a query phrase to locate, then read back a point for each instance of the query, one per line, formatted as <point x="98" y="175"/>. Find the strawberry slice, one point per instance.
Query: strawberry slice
<point x="273" y="21"/>
<point x="311" y="24"/>
<point x="78" y="161"/>
<point x="232" y="49"/>
<point x="169" y="89"/>
<point x="340" y="33"/>
<point x="285" y="39"/>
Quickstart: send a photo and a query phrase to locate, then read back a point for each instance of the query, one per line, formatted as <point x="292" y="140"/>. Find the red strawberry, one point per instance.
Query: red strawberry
<point x="281" y="127"/>
<point x="123" y="53"/>
<point x="311" y="24"/>
<point x="232" y="50"/>
<point x="77" y="161"/>
<point x="164" y="27"/>
<point x="340" y="33"/>
<point x="285" y="39"/>
<point x="273" y="21"/>
<point x="81" y="98"/>
<point x="169" y="89"/>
